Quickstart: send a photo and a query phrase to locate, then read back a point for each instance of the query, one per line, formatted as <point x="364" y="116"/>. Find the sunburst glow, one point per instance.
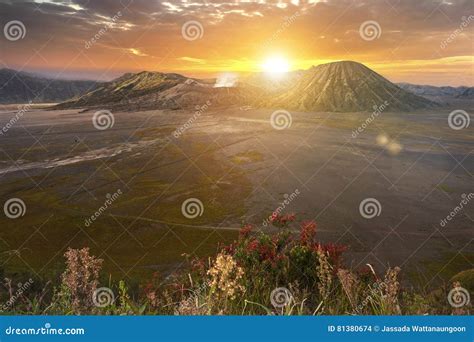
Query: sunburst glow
<point x="276" y="65"/>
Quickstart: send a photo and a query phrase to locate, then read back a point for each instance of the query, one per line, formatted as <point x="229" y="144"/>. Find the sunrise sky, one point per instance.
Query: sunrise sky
<point x="240" y="36"/>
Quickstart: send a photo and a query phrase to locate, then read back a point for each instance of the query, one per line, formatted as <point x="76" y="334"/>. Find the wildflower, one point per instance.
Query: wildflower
<point x="245" y="231"/>
<point x="335" y="252"/>
<point x="150" y="290"/>
<point x="190" y="307"/>
<point x="308" y="233"/>
<point x="324" y="273"/>
<point x="194" y="303"/>
<point x="226" y="276"/>
<point x="229" y="249"/>
<point x="459" y="301"/>
<point x="349" y="282"/>
<point x="391" y="287"/>
<point x="81" y="277"/>
<point x="367" y="273"/>
<point x="252" y="246"/>
<point x="282" y="220"/>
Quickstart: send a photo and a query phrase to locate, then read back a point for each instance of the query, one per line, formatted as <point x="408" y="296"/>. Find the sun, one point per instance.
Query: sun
<point x="276" y="65"/>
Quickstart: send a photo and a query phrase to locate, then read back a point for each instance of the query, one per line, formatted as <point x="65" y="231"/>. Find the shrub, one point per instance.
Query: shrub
<point x="283" y="274"/>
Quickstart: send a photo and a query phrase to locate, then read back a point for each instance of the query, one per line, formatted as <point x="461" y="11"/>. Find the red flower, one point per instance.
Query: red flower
<point x="335" y="252"/>
<point x="229" y="249"/>
<point x="245" y="231"/>
<point x="366" y="272"/>
<point x="266" y="252"/>
<point x="282" y="220"/>
<point x="198" y="265"/>
<point x="308" y="233"/>
<point x="252" y="246"/>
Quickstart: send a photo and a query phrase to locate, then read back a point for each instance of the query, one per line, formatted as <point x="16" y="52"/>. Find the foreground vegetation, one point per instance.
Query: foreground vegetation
<point x="279" y="274"/>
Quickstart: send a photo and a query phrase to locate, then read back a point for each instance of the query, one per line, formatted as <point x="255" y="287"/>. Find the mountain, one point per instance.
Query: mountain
<point x="22" y="87"/>
<point x="340" y="86"/>
<point x="467" y="94"/>
<point x="431" y="92"/>
<point x="155" y="90"/>
<point x="346" y="86"/>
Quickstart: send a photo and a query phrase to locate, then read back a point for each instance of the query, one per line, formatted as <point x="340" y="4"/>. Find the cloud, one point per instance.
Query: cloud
<point x="136" y="52"/>
<point x="234" y="33"/>
<point x="193" y="60"/>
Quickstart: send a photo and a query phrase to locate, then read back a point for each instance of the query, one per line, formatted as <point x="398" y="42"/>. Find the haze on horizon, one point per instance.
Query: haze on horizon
<point x="240" y="37"/>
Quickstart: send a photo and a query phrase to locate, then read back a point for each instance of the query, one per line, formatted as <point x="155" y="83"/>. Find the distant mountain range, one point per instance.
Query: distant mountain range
<point x="467" y="94"/>
<point x="433" y="92"/>
<point x="22" y="87"/>
<point x="345" y="86"/>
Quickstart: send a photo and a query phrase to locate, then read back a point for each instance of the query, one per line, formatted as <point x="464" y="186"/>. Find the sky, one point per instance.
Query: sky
<point x="422" y="42"/>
